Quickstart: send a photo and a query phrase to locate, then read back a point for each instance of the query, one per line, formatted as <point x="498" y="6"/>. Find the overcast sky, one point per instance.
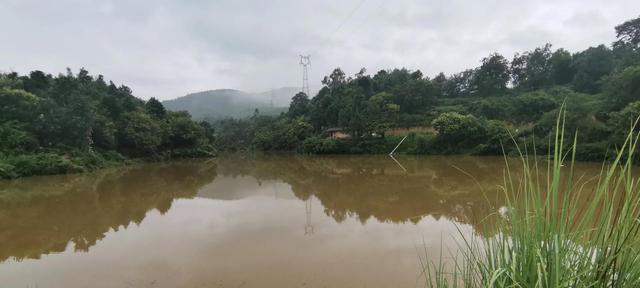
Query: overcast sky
<point x="167" y="49"/>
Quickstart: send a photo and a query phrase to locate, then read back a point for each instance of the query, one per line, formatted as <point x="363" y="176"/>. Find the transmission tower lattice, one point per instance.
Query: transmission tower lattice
<point x="305" y="61"/>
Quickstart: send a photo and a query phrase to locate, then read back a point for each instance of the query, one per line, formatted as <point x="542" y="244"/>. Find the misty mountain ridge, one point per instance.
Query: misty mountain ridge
<point x="225" y="103"/>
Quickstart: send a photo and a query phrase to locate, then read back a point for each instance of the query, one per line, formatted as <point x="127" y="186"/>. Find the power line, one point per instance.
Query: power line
<point x="366" y="20"/>
<point x="305" y="60"/>
<point x="335" y="31"/>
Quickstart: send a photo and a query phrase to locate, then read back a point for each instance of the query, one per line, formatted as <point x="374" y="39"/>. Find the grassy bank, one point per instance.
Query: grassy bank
<point x="15" y="166"/>
<point x="49" y="163"/>
<point x="549" y="237"/>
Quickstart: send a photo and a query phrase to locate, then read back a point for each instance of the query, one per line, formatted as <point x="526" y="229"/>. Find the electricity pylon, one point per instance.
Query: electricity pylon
<point x="305" y="61"/>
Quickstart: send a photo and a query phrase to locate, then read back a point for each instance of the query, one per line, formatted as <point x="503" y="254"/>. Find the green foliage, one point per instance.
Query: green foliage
<point x="155" y="108"/>
<point x="181" y="132"/>
<point x="530" y="106"/>
<point x="621" y="122"/>
<point x="14" y="139"/>
<point x="17" y="105"/>
<point x="492" y="76"/>
<point x="460" y="84"/>
<point x="623" y="87"/>
<point x="590" y="66"/>
<point x="532" y="69"/>
<point x="283" y="134"/>
<point x="523" y="108"/>
<point x="56" y="124"/>
<point x="456" y="128"/>
<point x="319" y="145"/>
<point x="459" y="133"/>
<point x="562" y="70"/>
<point x="36" y="164"/>
<point x="299" y="105"/>
<point x="628" y="34"/>
<point x="139" y="134"/>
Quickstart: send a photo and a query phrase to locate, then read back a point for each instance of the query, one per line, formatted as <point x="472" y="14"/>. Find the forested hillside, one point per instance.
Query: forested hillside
<point x="476" y="111"/>
<point x="226" y="103"/>
<point x="71" y="123"/>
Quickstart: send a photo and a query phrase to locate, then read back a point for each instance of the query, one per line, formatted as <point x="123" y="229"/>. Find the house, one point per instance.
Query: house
<point x="337" y="133"/>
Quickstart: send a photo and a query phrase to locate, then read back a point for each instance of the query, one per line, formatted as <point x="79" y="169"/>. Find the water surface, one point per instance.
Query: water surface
<point x="263" y="221"/>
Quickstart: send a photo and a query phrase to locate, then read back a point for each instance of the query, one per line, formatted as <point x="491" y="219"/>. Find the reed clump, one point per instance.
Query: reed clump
<point x="556" y="232"/>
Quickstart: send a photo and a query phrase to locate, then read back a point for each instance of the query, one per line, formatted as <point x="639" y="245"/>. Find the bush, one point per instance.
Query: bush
<point x="496" y="139"/>
<point x="319" y="145"/>
<point x="7" y="171"/>
<point x="37" y="164"/>
<point x="457" y="129"/>
<point x="14" y="166"/>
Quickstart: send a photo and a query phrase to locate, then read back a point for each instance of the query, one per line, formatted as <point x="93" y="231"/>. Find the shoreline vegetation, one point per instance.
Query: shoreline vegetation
<point x="78" y="122"/>
<point x="75" y="123"/>
<point x="546" y="237"/>
<point x="476" y="111"/>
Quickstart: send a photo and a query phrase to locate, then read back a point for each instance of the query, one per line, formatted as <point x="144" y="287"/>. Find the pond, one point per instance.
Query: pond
<point x="258" y="221"/>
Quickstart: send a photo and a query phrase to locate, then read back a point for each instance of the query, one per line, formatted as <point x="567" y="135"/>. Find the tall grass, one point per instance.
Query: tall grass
<point x="556" y="233"/>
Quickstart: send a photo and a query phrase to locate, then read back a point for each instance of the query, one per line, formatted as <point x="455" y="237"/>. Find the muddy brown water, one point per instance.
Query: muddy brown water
<point x="260" y="221"/>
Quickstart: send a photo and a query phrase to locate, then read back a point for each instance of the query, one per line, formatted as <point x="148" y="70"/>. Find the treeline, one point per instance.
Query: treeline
<point x="69" y="123"/>
<point x="475" y="111"/>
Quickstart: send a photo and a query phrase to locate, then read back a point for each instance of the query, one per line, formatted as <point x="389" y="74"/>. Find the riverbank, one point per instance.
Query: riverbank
<point x="52" y="163"/>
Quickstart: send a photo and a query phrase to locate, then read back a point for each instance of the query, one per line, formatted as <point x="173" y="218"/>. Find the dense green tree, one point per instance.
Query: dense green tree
<point x="623" y="87"/>
<point x="283" y="134"/>
<point x="299" y="105"/>
<point x="336" y="79"/>
<point x="14" y="138"/>
<point x="460" y="84"/>
<point x="104" y="133"/>
<point x="457" y="128"/>
<point x="439" y="82"/>
<point x="492" y="76"/>
<point x="414" y="96"/>
<point x="628" y="34"/>
<point x="381" y="113"/>
<point x="37" y="83"/>
<point x="182" y="132"/>
<point x="140" y="134"/>
<point x="590" y="66"/>
<point x="531" y="106"/>
<point x="562" y="70"/>
<point x="155" y="108"/>
<point x="622" y="121"/>
<point x="17" y="104"/>
<point x="75" y="122"/>
<point x="532" y="69"/>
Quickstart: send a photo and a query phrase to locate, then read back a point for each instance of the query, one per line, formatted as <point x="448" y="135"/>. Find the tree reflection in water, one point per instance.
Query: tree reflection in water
<point x="42" y="215"/>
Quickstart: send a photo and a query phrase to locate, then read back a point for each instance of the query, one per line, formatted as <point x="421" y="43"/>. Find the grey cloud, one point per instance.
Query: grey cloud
<point x="169" y="48"/>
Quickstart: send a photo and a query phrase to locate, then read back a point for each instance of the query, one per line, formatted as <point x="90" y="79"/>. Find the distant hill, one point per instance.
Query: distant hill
<point x="224" y="103"/>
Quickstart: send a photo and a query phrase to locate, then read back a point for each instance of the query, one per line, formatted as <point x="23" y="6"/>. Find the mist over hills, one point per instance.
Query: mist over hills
<point x="225" y="103"/>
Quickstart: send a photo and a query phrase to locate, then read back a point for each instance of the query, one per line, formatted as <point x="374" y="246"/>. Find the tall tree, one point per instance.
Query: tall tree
<point x="628" y="34"/>
<point x="336" y="79"/>
<point x="623" y="87"/>
<point x="460" y="84"/>
<point x="299" y="105"/>
<point x="155" y="108"/>
<point x="492" y="76"/>
<point x="532" y="69"/>
<point x="591" y="65"/>
<point x="562" y="70"/>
